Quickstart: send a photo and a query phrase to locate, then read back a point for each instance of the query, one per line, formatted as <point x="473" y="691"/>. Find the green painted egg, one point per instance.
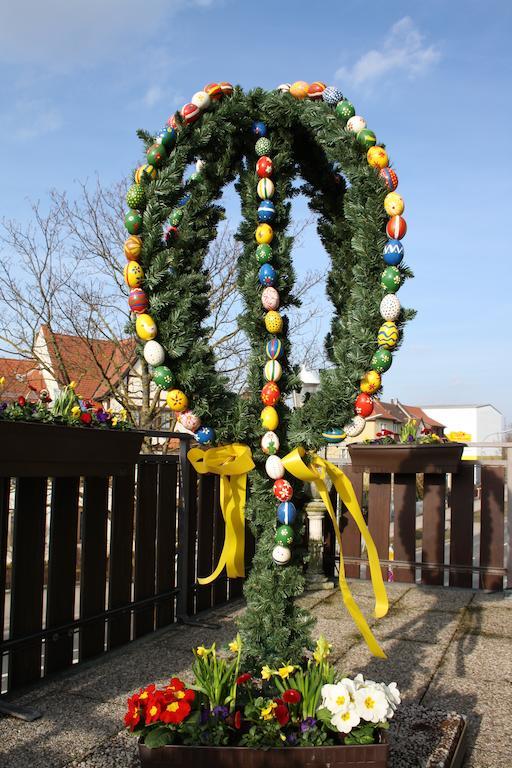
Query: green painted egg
<point x="175" y="217"/>
<point x="136" y="197"/>
<point x="156" y="155"/>
<point x="345" y="110"/>
<point x="391" y="279"/>
<point x="162" y="376"/>
<point x="284" y="535"/>
<point x="263" y="146"/>
<point x="133" y="222"/>
<point x="366" y="138"/>
<point x="381" y="361"/>
<point x="263" y="253"/>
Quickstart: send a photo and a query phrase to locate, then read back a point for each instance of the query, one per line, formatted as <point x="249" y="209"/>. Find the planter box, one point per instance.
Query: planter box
<point x="357" y="756"/>
<point x="48" y="450"/>
<point x="432" y="459"/>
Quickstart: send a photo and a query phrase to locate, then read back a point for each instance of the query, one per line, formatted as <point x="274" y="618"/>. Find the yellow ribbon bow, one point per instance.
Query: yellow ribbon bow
<point x="317" y="472"/>
<point x="232" y="463"/>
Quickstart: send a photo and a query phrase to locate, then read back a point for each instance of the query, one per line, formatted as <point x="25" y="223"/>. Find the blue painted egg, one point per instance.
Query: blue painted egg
<point x="274" y="349"/>
<point x="184" y="200"/>
<point x="393" y="252"/>
<point x="267" y="275"/>
<point x="205" y="435"/>
<point x="334" y="435"/>
<point x="167" y="137"/>
<point x="286" y="512"/>
<point x="266" y="211"/>
<point x="259" y="129"/>
<point x="332" y="95"/>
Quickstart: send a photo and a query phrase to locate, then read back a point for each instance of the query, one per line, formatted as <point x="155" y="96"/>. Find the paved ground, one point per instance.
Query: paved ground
<point x="447" y="649"/>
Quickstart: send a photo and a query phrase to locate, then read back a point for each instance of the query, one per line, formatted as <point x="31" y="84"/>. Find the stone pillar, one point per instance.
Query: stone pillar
<point x="315" y="511"/>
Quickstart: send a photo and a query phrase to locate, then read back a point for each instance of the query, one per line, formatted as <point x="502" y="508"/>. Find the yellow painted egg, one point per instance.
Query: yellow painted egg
<point x="370" y="382"/>
<point x="132" y="248"/>
<point x="133" y="274"/>
<point x="269" y="418"/>
<point x="177" y="400"/>
<point x="273" y="322"/>
<point x="394" y="204"/>
<point x="377" y="157"/>
<point x="145" y="327"/>
<point x="145" y="170"/>
<point x="299" y="89"/>
<point x="264" y="234"/>
<point x="388" y="335"/>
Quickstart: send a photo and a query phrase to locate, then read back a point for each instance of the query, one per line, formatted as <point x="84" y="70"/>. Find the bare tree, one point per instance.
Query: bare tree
<point x="64" y="271"/>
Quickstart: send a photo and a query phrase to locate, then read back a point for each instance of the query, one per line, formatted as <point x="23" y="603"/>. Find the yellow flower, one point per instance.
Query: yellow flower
<point x="282" y="737"/>
<point x="322" y="650"/>
<point x="201" y="651"/>
<point x="234" y="646"/>
<point x="266" y="673"/>
<point x="76" y="411"/>
<point x="114" y="421"/>
<point x="285" y="672"/>
<point x="72" y="384"/>
<point x="267" y="713"/>
<point x="123" y="414"/>
<point x="2" y="382"/>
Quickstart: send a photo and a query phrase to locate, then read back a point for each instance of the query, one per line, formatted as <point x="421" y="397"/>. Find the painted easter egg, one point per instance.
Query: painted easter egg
<point x="138" y="300"/>
<point x="281" y="555"/>
<point x="273" y="322"/>
<point x="363" y="405"/>
<point x="162" y="376"/>
<point x="370" y="383"/>
<point x="133" y="274"/>
<point x="264" y="167"/>
<point x="333" y="435"/>
<point x="154" y="353"/>
<point x="388" y="335"/>
<point x="286" y="512"/>
<point x="270" y="393"/>
<point x="264" y="234"/>
<point x="299" y="89"/>
<point x="267" y="275"/>
<point x="270" y="297"/>
<point x="273" y="370"/>
<point x="377" y="157"/>
<point x="266" y="211"/>
<point x="205" y="435"/>
<point x="270" y="443"/>
<point x="274" y="349"/>
<point x="382" y="360"/>
<point x="393" y="252"/>
<point x="389" y="177"/>
<point x="145" y="327"/>
<point x="132" y="248"/>
<point x="263" y="253"/>
<point x="355" y="427"/>
<point x="391" y="279"/>
<point x="332" y="95"/>
<point x="189" y="420"/>
<point x="284" y="535"/>
<point x="396" y="227"/>
<point x="201" y="100"/>
<point x="265" y="189"/>
<point x="394" y="204"/>
<point x="263" y="146"/>
<point x="390" y="307"/>
<point x="269" y="418"/>
<point x="356" y="124"/>
<point x="274" y="467"/>
<point x="177" y="400"/>
<point x="282" y="490"/>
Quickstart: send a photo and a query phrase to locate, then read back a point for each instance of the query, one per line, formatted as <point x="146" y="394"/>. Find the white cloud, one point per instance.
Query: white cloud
<point x="153" y="95"/>
<point x="403" y="50"/>
<point x="64" y="34"/>
<point x="30" y="118"/>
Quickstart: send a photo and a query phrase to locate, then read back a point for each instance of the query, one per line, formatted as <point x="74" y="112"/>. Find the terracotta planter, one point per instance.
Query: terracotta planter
<point x="48" y="450"/>
<point x="357" y="756"/>
<point x="432" y="459"/>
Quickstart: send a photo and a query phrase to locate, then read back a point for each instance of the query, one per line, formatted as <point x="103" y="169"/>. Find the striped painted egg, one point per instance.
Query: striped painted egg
<point x="334" y="435"/>
<point x="147" y="171"/>
<point x="273" y="370"/>
<point x="393" y="252"/>
<point x="269" y="296"/>
<point x="390" y="307"/>
<point x="214" y="91"/>
<point x="190" y="113"/>
<point x="226" y="88"/>
<point x="396" y="227"/>
<point x="266" y="211"/>
<point x="286" y="512"/>
<point x="315" y="90"/>
<point x="138" y="300"/>
<point x="389" y="177"/>
<point x="394" y="204"/>
<point x="264" y="167"/>
<point x="332" y="95"/>
<point x="132" y="247"/>
<point x="388" y="335"/>
<point x="274" y="349"/>
<point x="265" y="189"/>
<point x="270" y="443"/>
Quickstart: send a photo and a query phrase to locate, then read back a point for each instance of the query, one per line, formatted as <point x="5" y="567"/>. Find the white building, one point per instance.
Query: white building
<point x="470" y="424"/>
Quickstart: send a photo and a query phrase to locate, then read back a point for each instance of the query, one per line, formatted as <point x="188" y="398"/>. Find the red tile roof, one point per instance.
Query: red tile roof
<point x="19" y="374"/>
<point x="385" y="411"/>
<point x="93" y="364"/>
<point x="419" y="413"/>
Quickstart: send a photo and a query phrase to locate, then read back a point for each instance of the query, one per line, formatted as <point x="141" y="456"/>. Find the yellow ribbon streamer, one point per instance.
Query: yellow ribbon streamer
<point x="317" y="472"/>
<point x="232" y="463"/>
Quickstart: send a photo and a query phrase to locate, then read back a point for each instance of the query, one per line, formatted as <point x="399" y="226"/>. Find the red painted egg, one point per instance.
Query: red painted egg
<point x="363" y="405"/>
<point x="315" y="90"/>
<point x="138" y="300"/>
<point x="214" y="91"/>
<point x="226" y="88"/>
<point x="396" y="227"/>
<point x="389" y="177"/>
<point x="190" y="113"/>
<point x="172" y="122"/>
<point x="282" y="490"/>
<point x="270" y="393"/>
<point x="264" y="167"/>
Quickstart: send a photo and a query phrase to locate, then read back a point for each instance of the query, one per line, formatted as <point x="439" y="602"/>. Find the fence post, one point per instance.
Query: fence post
<point x="508" y="469"/>
<point x="183" y="533"/>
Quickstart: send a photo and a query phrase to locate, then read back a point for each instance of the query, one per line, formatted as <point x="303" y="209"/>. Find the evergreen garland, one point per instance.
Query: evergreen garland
<point x="309" y="140"/>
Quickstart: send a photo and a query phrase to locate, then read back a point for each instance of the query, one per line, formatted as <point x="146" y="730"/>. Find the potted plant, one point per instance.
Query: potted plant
<point x="290" y="715"/>
<point x="70" y="437"/>
<point x="407" y="453"/>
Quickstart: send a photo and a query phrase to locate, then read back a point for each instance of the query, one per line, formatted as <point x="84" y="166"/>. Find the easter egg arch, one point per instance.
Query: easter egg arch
<point x="264" y="141"/>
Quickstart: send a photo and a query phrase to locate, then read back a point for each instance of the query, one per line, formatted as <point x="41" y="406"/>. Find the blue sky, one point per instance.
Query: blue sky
<point x="432" y="79"/>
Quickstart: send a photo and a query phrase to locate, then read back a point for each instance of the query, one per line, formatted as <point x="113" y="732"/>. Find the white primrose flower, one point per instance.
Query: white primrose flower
<point x="335" y="698"/>
<point x="371" y="704"/>
<point x="345" y="721"/>
<point x="349" y="685"/>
